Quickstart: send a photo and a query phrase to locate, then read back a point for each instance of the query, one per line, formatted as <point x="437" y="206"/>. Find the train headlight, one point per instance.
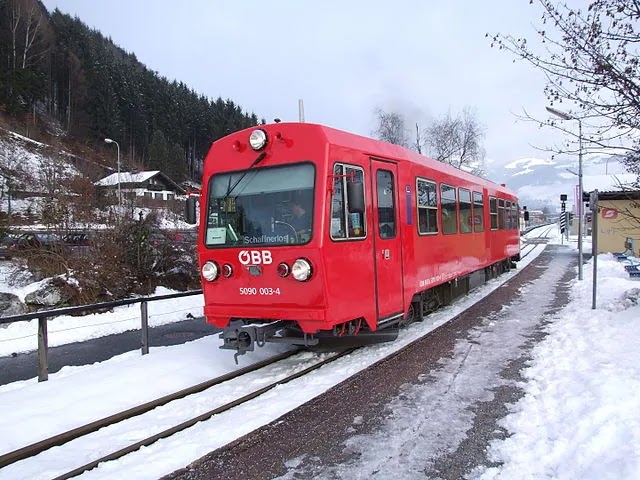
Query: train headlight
<point x="301" y="270"/>
<point x="258" y="139"/>
<point x="210" y="271"/>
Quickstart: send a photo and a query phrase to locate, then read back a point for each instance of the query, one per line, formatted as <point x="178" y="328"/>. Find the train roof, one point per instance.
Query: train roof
<point x="373" y="147"/>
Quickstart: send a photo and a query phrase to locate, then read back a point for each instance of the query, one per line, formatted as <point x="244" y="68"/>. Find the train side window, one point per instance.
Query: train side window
<point x="346" y="225"/>
<point x="464" y="196"/>
<point x="448" y="211"/>
<point x="507" y="215"/>
<point x="427" y="203"/>
<point x="478" y="212"/>
<point x="501" y="214"/>
<point x="493" y="212"/>
<point x="386" y="204"/>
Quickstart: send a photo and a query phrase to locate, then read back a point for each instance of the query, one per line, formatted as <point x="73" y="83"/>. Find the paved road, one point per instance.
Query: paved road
<point x="25" y="365"/>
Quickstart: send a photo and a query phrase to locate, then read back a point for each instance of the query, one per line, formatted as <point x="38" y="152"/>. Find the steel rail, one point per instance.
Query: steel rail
<point x="534" y="242"/>
<point x="202" y="417"/>
<point x="62" y="438"/>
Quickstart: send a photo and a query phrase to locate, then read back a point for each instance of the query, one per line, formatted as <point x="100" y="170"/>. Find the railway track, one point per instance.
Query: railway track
<point x="211" y="389"/>
<point x="541" y="238"/>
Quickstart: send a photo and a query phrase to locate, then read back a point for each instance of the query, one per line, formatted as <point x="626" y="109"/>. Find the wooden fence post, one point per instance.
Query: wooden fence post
<point x="144" y="314"/>
<point x="43" y="350"/>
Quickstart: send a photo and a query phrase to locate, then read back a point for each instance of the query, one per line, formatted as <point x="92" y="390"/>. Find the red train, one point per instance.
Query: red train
<point x="307" y="232"/>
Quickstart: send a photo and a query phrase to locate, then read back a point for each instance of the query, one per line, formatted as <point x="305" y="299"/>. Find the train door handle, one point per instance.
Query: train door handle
<point x="386" y="253"/>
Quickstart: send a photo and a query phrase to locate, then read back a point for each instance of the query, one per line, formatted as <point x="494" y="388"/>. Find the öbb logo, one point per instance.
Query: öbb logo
<point x="255" y="257"/>
<point x="609" y="213"/>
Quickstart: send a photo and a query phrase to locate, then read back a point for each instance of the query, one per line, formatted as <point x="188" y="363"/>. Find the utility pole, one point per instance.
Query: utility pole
<point x="108" y="140"/>
<point x="579" y="209"/>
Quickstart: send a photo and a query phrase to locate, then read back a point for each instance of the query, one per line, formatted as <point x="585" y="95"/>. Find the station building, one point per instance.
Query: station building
<point x="618" y="215"/>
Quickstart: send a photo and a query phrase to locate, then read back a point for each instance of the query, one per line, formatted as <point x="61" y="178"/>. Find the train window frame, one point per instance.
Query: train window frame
<point x="478" y="212"/>
<point x="428" y="208"/>
<point x="346" y="221"/>
<point x="507" y="215"/>
<point x="213" y="215"/>
<point x="465" y="210"/>
<point x="445" y="209"/>
<point x="388" y="229"/>
<point x="493" y="212"/>
<point x="501" y="212"/>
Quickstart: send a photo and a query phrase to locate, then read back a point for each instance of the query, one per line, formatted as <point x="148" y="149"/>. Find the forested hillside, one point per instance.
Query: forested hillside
<point x="53" y="65"/>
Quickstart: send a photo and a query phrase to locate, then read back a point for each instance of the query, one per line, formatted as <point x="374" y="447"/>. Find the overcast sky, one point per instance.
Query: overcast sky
<point x="343" y="58"/>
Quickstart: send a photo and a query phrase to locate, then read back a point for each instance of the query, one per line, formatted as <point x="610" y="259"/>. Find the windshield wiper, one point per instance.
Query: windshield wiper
<point x="234" y="235"/>
<point x="231" y="188"/>
<point x="244" y="174"/>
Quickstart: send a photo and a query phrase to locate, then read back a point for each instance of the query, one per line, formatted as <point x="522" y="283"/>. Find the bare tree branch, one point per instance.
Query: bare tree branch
<point x="457" y="141"/>
<point x="391" y="128"/>
<point x="591" y="60"/>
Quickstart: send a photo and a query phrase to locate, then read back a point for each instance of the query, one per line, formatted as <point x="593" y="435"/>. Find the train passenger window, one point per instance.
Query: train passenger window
<point x="478" y="212"/>
<point x="507" y="215"/>
<point x="501" y="214"/>
<point x="386" y="204"/>
<point x="449" y="214"/>
<point x="427" y="201"/>
<point x="493" y="212"/>
<point x="464" y="196"/>
<point x="346" y="224"/>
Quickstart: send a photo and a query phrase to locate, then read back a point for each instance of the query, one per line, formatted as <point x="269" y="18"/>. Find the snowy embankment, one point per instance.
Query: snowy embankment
<point x="580" y="415"/>
<point x="20" y="337"/>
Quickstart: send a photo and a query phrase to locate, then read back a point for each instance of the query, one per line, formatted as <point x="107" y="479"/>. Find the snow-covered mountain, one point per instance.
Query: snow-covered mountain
<point x="539" y="182"/>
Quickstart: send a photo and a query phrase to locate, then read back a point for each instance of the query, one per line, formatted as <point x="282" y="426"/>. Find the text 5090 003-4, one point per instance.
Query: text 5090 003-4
<point x="259" y="291"/>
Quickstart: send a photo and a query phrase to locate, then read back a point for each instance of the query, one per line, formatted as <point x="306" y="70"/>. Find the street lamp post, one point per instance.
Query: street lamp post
<point x="108" y="140"/>
<point x="566" y="116"/>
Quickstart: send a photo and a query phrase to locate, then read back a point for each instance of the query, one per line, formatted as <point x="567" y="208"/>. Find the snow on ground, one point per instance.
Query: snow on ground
<point x="580" y="416"/>
<point x="22" y="337"/>
<point x="432" y="417"/>
<point x="578" y="419"/>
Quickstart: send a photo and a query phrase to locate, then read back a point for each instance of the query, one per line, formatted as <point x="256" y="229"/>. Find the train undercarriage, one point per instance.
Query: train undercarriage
<point x="243" y="335"/>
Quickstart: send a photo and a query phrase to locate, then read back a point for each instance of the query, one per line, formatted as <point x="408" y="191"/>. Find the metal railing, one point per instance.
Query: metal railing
<point x="44" y="315"/>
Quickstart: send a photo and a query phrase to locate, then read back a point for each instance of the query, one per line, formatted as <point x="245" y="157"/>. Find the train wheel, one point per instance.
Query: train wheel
<point x="413" y="315"/>
<point x="431" y="302"/>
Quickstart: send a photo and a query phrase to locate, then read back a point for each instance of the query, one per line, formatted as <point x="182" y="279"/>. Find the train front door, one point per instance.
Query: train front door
<point x="386" y="240"/>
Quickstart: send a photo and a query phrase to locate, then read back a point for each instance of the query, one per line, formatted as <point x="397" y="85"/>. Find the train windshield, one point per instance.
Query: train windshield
<point x="261" y="206"/>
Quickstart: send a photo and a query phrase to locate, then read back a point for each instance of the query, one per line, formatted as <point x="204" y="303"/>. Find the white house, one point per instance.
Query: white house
<point x="152" y="185"/>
